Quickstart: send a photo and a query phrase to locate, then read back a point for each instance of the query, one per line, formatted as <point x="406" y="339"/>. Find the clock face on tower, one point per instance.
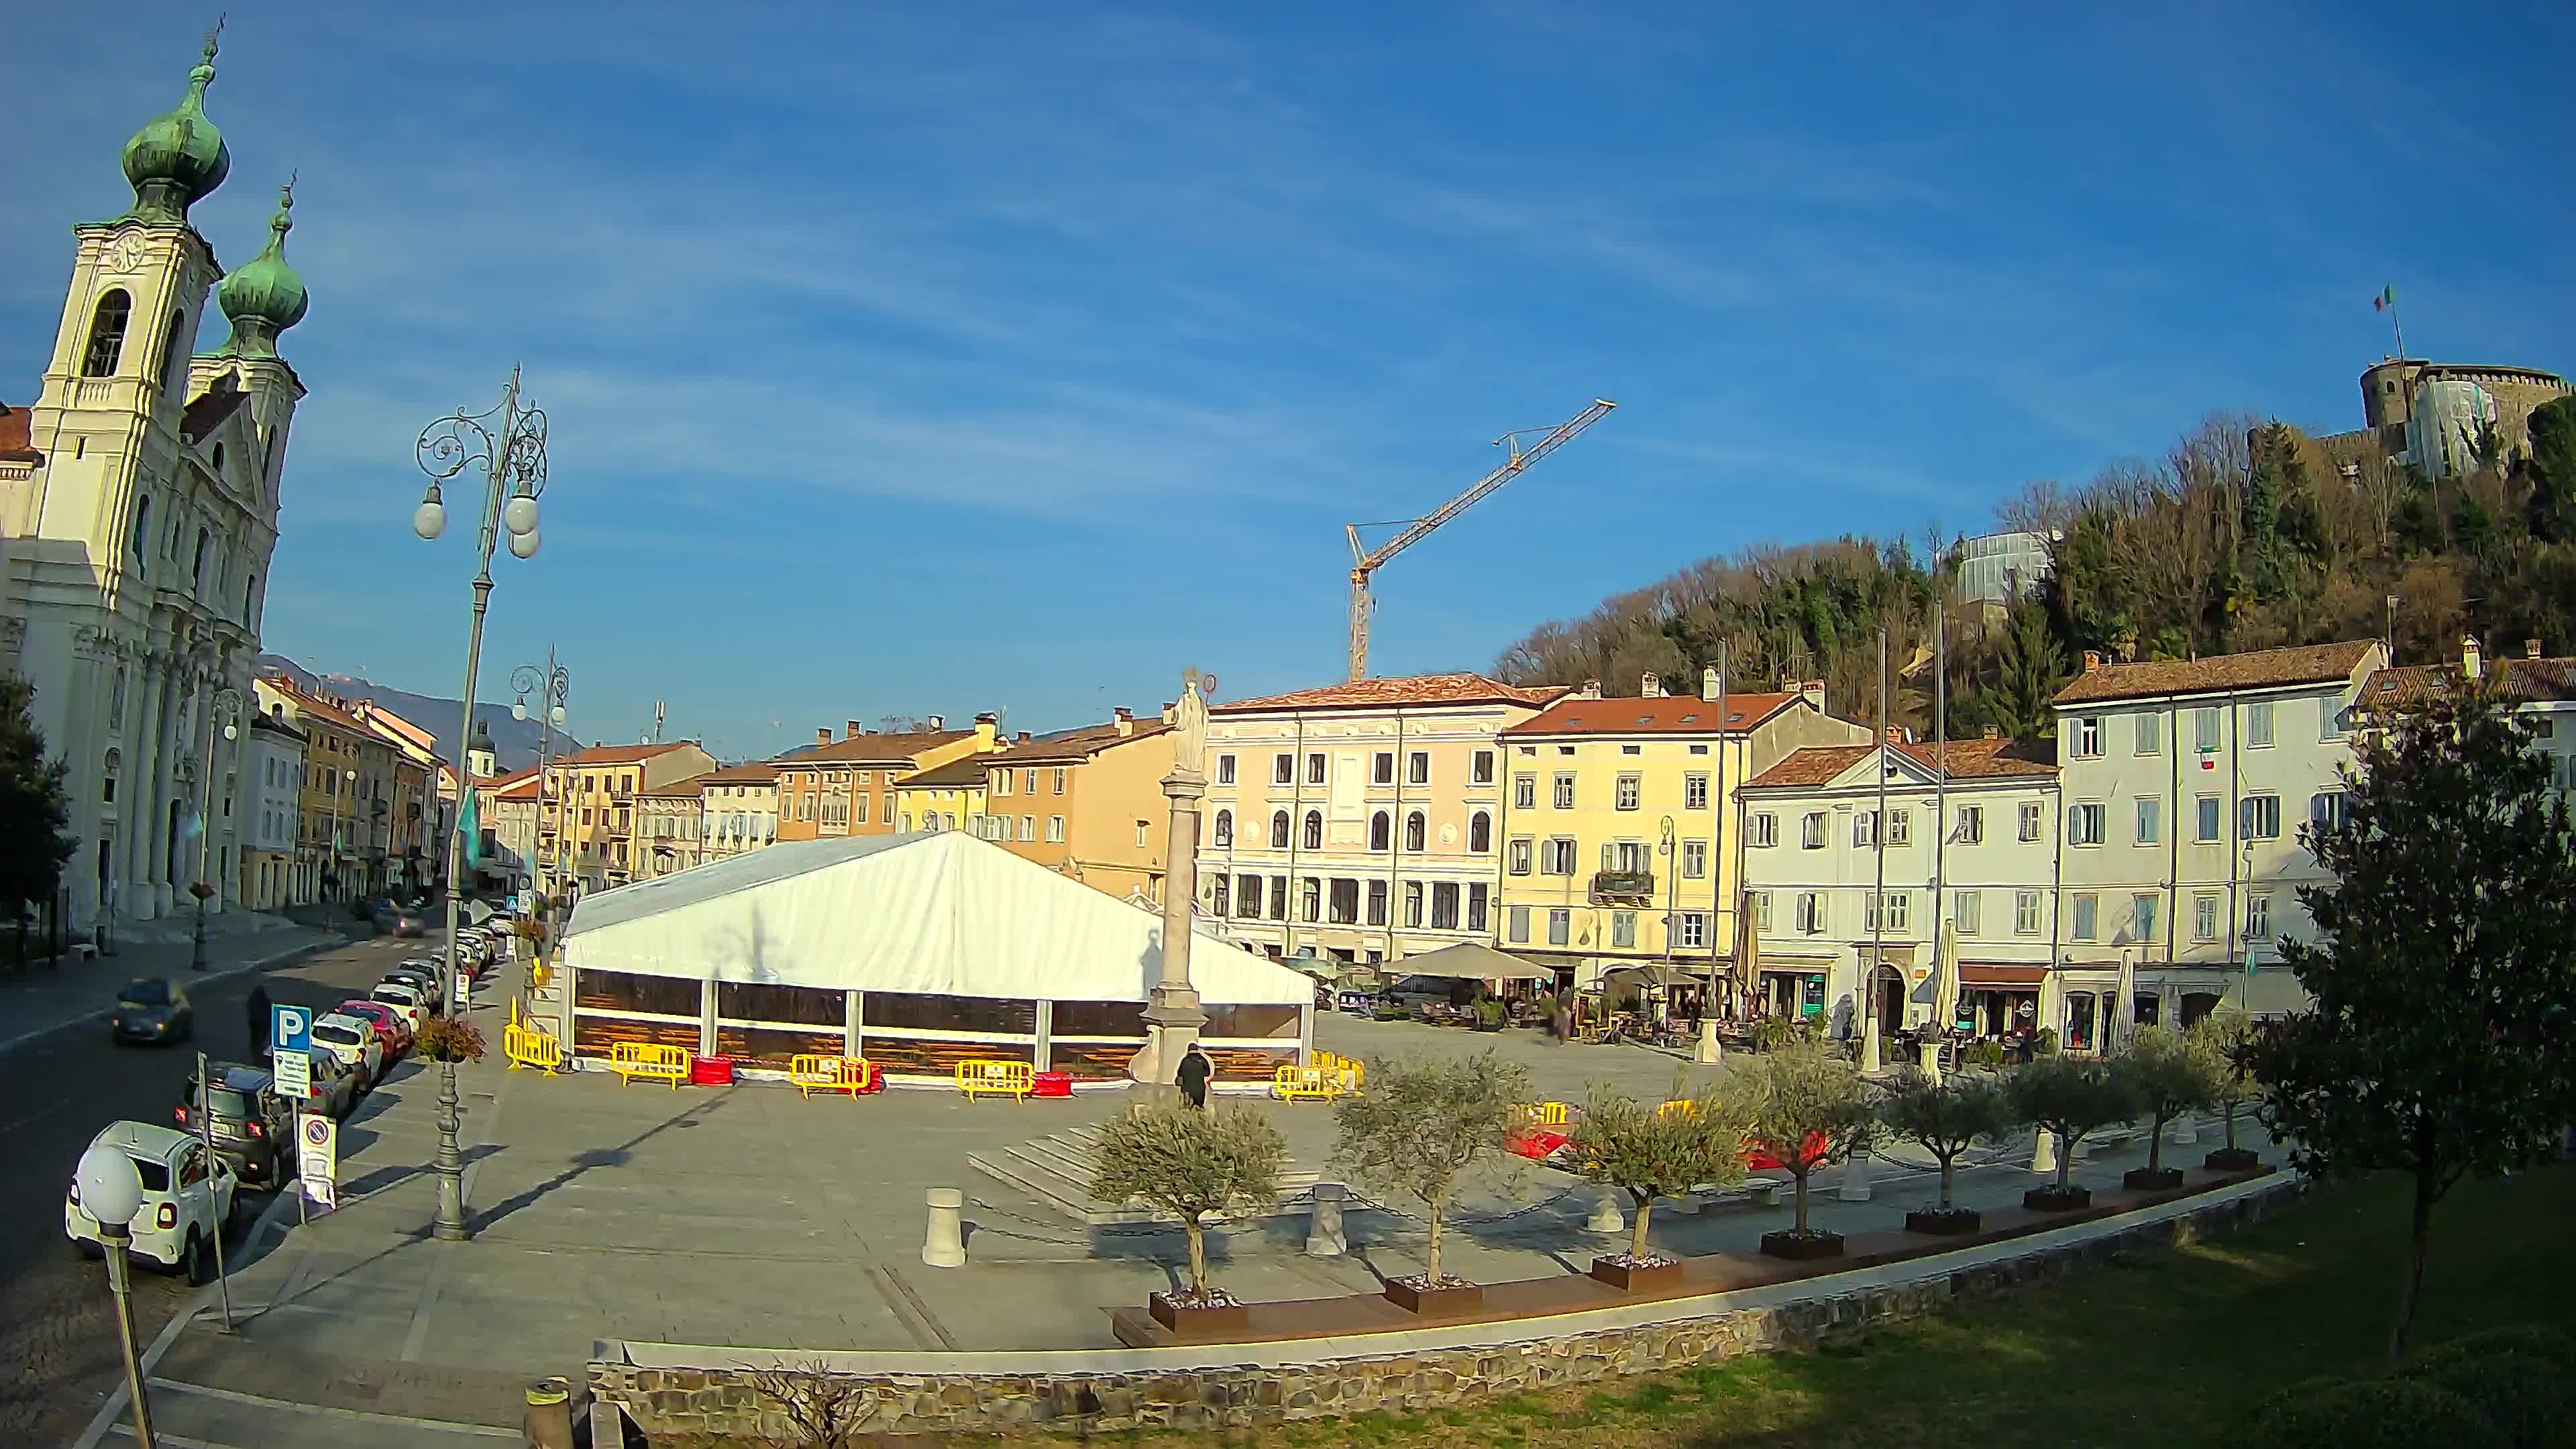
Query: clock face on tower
<point x="125" y="254"/>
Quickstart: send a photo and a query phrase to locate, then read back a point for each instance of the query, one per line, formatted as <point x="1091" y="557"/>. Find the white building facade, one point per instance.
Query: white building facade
<point x="2185" y="783"/>
<point x="140" y="518"/>
<point x="1976" y="859"/>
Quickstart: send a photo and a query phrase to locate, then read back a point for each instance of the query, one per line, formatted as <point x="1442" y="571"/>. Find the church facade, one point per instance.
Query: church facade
<point x="138" y="512"/>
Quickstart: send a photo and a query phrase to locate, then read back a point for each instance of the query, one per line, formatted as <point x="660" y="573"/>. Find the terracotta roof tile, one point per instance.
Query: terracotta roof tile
<point x="208" y="412"/>
<point x="1968" y="760"/>
<point x="1420" y="689"/>
<point x="17" y="435"/>
<point x="759" y="772"/>
<point x="690" y="786"/>
<point x="2521" y="680"/>
<point x="967" y="772"/>
<point x="2262" y="669"/>
<point x="1073" y="746"/>
<point x="1666" y="715"/>
<point x="879" y="749"/>
<point x="621" y="754"/>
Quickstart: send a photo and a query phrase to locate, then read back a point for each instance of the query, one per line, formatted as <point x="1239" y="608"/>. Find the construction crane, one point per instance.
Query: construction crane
<point x="1366" y="561"/>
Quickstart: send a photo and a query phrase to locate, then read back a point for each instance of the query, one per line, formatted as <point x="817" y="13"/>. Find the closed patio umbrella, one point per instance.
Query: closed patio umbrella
<point x="2115" y="1032"/>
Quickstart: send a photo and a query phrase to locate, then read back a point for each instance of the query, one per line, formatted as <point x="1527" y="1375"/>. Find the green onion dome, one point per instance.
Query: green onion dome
<point x="263" y="296"/>
<point x="178" y="158"/>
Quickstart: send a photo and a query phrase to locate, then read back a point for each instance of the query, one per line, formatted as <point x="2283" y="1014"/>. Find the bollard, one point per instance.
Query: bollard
<point x="1606" y="1218"/>
<point x="1324" y="1237"/>
<point x="1932" y="1060"/>
<point x="549" y="1420"/>
<point x="1855" y="1186"/>
<point x="2043" y="1152"/>
<point x="1709" y="1052"/>
<point x="2186" y="1130"/>
<point x="945" y="1246"/>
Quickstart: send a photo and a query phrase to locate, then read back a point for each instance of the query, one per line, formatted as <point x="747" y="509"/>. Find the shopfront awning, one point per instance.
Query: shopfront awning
<point x="1658" y="975"/>
<point x="1991" y="975"/>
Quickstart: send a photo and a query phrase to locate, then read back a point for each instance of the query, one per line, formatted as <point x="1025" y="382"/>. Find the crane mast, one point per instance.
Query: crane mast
<point x="1366" y="562"/>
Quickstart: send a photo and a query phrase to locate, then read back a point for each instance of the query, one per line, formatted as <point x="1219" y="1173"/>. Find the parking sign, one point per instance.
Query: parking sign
<point x="290" y="1029"/>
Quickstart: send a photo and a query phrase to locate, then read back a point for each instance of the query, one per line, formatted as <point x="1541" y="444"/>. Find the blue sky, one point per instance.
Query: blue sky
<point x="941" y="358"/>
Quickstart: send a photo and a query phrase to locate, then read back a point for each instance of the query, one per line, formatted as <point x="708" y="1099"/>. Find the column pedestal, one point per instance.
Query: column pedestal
<point x="1172" y="1013"/>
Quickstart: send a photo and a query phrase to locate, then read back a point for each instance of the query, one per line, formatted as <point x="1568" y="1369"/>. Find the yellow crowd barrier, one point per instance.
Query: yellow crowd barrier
<point x="978" y="1075"/>
<point x="632" y="1059"/>
<point x="531" y="1046"/>
<point x="811" y="1072"/>
<point x="1293" y="1084"/>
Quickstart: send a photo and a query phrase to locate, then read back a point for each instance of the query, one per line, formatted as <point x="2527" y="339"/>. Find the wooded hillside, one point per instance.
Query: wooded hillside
<point x="2245" y="535"/>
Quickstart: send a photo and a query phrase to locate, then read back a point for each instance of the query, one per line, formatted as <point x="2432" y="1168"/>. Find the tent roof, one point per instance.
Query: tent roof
<point x="942" y="914"/>
<point x="1470" y="960"/>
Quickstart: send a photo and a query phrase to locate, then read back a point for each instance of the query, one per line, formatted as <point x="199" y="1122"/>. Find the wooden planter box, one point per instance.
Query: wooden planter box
<point x="1935" y="1220"/>
<point x="2232" y="1159"/>
<point x="2057" y="1200"/>
<point x="1196" y="1322"/>
<point x="1787" y="1243"/>
<point x="1434" y="1302"/>
<point x="2151" y="1179"/>
<point x="1629" y="1280"/>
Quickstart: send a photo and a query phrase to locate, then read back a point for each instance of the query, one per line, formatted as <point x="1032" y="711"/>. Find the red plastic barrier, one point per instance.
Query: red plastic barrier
<point x="711" y="1071"/>
<point x="1051" y="1084"/>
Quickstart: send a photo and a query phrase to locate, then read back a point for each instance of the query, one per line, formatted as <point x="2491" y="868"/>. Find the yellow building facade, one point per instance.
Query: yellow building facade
<point x="943" y="797"/>
<point x="1622" y="841"/>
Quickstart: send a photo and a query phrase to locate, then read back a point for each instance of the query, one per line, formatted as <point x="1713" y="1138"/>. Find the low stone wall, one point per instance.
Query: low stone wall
<point x="730" y="1400"/>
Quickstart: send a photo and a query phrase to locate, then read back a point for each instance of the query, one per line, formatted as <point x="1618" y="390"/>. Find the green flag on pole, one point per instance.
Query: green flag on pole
<point x="2385" y="300"/>
<point x="471" y="822"/>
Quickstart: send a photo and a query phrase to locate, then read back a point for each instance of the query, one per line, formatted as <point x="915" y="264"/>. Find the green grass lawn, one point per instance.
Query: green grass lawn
<point x="2175" y="1349"/>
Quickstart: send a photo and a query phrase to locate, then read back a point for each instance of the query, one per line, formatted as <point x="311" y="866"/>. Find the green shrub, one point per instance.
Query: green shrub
<point x="1773" y="1032"/>
<point x="2528" y="1399"/>
<point x="2530" y="1340"/>
<point x="2045" y="1043"/>
<point x="1391" y="1013"/>
<point x="1988" y="1054"/>
<point x="2369" y="1414"/>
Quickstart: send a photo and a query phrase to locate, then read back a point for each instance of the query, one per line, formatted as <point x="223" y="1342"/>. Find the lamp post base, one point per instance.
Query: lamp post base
<point x="448" y="1164"/>
<point x="197" y="946"/>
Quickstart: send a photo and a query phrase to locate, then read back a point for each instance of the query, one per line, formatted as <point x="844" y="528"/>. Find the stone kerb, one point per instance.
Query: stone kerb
<point x="675" y="1389"/>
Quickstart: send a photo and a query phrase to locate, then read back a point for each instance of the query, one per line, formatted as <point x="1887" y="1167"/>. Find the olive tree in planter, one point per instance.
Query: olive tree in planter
<point x="2221" y="1038"/>
<point x="1650" y="1150"/>
<point x="1807" y="1107"/>
<point x="1946" y="1116"/>
<point x="2169" y="1078"/>
<point x="2073" y="1098"/>
<point x="1191" y="1164"/>
<point x="1421" y="1127"/>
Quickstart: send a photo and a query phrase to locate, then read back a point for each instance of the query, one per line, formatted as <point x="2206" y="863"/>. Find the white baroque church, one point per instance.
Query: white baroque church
<point x="138" y="511"/>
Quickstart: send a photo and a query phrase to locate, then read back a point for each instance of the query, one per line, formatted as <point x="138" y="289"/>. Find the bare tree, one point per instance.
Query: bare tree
<point x="823" y="1408"/>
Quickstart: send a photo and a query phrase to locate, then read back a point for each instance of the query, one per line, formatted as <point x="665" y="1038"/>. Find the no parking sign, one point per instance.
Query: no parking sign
<point x="318" y="1156"/>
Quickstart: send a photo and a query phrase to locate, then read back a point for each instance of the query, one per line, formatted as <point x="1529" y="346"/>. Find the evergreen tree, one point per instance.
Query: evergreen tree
<point x="2551" y="469"/>
<point x="35" y="809"/>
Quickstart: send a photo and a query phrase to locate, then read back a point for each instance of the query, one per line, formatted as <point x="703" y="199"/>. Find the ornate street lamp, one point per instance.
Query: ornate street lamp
<point x="228" y="704"/>
<point x="508" y="444"/>
<point x="553" y="687"/>
<point x="106" y="1187"/>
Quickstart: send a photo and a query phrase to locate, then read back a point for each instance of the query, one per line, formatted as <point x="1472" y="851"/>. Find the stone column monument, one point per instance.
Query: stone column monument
<point x="1172" y="1014"/>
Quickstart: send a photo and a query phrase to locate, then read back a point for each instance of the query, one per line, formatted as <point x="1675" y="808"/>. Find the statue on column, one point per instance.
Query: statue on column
<point x="1189" y="728"/>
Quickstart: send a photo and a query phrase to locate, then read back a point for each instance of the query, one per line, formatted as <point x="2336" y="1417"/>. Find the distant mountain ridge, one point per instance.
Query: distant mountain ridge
<point x="514" y="742"/>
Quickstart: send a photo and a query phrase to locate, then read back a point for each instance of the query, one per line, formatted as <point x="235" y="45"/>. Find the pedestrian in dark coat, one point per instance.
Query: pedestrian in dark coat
<point x="257" y="1007"/>
<point x="1193" y="1075"/>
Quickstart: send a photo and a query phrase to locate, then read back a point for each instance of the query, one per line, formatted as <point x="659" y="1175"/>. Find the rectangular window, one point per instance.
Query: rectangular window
<point x="1059" y="779"/>
<point x="1417" y="768"/>
<point x="1481" y="772"/>
<point x="1969" y="828"/>
<point x="1558" y="859"/>
<point x="1032" y="781"/>
<point x="1560" y="924"/>
<point x="2334" y="721"/>
<point x="1564" y="797"/>
<point x="1623" y="930"/>
<point x="1377" y="903"/>
<point x="1864" y="828"/>
<point x="1888" y="912"/>
<point x="1283" y="770"/>
<point x="1248" y="899"/>
<point x="860" y="805"/>
<point x="1478" y="895"/>
<point x="1002" y="778"/>
<point x="1694" y="859"/>
<point x="2150" y="820"/>
<point x="1315" y="769"/>
<point x="2326" y="810"/>
<point x="2025" y="913"/>
<point x="1141" y="828"/>
<point x="1811" y="913"/>
<point x="1221" y="899"/>
<point x="1279" y="898"/>
<point x="1382" y="768"/>
<point x="1310" y="900"/>
<point x="2031" y="819"/>
<point x="2151" y="734"/>
<point x="2258" y="725"/>
<point x="2204" y="918"/>
<point x="1811" y="831"/>
<point x="1692" y="927"/>
<point x="1761" y="910"/>
<point x="1055" y="830"/>
<point x="1519" y="923"/>
<point x="1224" y="773"/>
<point x="1028" y="827"/>
<point x="1444" y="906"/>
<point x="2258" y="817"/>
<point x="2205" y="825"/>
<point x="1900" y="827"/>
<point x="1524" y="792"/>
<point x="2084" y="824"/>
<point x="2258" y="917"/>
<point x="1966" y="908"/>
<point x="2087" y="743"/>
<point x="1413" y="903"/>
<point x="1762" y="831"/>
<point x="2204" y="729"/>
<point x="2088" y="910"/>
<point x="1694" y="792"/>
<point x="1630" y="789"/>
<point x="2142" y="918"/>
<point x="1519" y="856"/>
<point x="1346" y="901"/>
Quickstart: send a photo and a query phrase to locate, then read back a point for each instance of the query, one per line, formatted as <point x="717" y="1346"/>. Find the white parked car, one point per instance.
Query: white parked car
<point x="188" y="1197"/>
<point x="353" y="1041"/>
<point x="403" y="998"/>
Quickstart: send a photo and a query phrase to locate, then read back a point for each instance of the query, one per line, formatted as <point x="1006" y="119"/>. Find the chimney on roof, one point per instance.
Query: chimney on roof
<point x="1125" y="719"/>
<point x="1709" y="684"/>
<point x="2530" y="648"/>
<point x="1591" y="690"/>
<point x="1021" y="738"/>
<point x="1813" y="691"/>
<point x="1992" y="733"/>
<point x="988" y="731"/>
<point x="2472" y="666"/>
<point x="1896" y="734"/>
<point x="2092" y="660"/>
<point x="849" y="729"/>
<point x="822" y="736"/>
<point x="938" y="722"/>
<point x="1651" y="686"/>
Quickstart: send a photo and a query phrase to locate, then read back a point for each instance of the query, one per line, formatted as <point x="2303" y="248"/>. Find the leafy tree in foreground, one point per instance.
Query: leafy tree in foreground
<point x="2443" y="972"/>
<point x="1647" y="1152"/>
<point x="35" y="810"/>
<point x="1189" y="1163"/>
<point x="1423" y="1124"/>
<point x="1947" y="1116"/>
<point x="1809" y="1109"/>
<point x="2169" y="1077"/>
<point x="2073" y="1098"/>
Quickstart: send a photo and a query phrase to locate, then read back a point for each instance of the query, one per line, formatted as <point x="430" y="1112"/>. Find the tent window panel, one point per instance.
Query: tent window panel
<point x="625" y="991"/>
<point x="1250" y="1064"/>
<point x="1091" y="1061"/>
<point x="1250" y="1022"/>
<point x="594" y="1036"/>
<point x="897" y="1009"/>
<point x="908" y="1058"/>
<point x="771" y="1048"/>
<point x="763" y="1001"/>
<point x="1100" y="1018"/>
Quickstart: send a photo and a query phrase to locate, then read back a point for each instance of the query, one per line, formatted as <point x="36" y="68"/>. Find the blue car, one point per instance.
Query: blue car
<point x="154" y="1009"/>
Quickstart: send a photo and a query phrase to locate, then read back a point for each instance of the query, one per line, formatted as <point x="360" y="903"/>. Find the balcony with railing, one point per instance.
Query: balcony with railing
<point x="1622" y="887"/>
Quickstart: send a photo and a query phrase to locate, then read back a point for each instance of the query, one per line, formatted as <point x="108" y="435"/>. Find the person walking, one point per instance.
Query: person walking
<point x="257" y="1009"/>
<point x="1193" y="1076"/>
